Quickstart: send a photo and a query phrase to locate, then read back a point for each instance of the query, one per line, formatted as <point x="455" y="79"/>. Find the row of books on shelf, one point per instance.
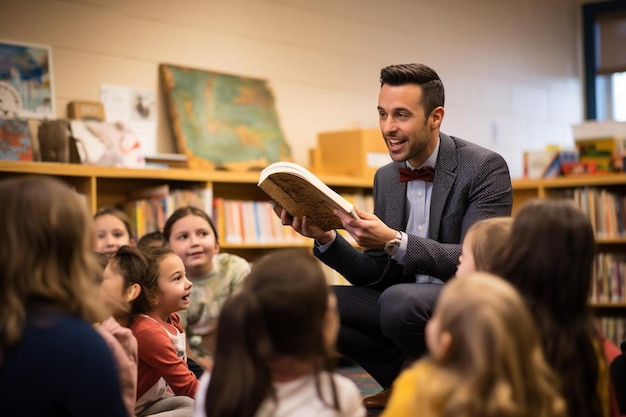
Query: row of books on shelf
<point x="613" y="328"/>
<point x="149" y="208"/>
<point x="609" y="278"/>
<point x="606" y="211"/>
<point x="246" y="222"/>
<point x="251" y="222"/>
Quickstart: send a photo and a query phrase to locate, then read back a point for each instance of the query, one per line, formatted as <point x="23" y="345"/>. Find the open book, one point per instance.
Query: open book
<point x="301" y="193"/>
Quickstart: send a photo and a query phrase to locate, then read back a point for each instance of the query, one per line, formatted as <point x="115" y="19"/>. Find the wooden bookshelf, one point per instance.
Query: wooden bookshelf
<point x="112" y="186"/>
<point x="609" y="299"/>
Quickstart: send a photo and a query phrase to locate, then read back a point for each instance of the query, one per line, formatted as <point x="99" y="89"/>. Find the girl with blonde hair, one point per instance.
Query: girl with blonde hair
<point x="485" y="358"/>
<point x="482" y="243"/>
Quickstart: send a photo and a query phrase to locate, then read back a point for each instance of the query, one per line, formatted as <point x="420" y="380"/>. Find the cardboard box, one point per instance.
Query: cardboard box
<point x="547" y="164"/>
<point x="357" y="153"/>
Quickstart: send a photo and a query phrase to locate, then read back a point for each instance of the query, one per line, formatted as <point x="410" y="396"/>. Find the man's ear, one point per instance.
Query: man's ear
<point x="132" y="292"/>
<point x="436" y="117"/>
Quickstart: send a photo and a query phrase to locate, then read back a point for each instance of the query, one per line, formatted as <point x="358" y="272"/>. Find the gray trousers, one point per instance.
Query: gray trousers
<point x="381" y="331"/>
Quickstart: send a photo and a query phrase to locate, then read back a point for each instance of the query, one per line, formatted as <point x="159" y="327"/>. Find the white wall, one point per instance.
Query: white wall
<point x="512" y="68"/>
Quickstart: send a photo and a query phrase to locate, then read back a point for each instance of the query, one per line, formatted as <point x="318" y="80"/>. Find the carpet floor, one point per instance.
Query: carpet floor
<point x="363" y="380"/>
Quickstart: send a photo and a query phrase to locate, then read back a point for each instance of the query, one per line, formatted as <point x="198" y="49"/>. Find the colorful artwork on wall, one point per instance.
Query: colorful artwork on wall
<point x="223" y="121"/>
<point x="26" y="88"/>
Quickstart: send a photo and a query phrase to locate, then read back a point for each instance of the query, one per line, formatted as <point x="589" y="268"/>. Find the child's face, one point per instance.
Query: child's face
<point x="466" y="260"/>
<point x="110" y="234"/>
<point x="113" y="291"/>
<point x="194" y="241"/>
<point x="173" y="286"/>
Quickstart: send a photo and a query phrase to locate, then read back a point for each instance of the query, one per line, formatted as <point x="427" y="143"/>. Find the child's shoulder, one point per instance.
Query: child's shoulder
<point x="146" y="326"/>
<point x="110" y="328"/>
<point x="348" y="393"/>
<point x="421" y="371"/>
<point x="230" y="263"/>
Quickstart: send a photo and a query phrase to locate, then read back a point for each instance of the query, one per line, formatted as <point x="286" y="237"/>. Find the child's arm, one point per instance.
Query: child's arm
<point x="157" y="351"/>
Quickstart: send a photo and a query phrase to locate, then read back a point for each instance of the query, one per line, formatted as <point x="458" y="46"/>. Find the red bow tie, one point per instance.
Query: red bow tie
<point x="426" y="174"/>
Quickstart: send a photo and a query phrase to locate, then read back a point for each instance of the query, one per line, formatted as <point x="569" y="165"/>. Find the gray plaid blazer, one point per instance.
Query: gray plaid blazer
<point x="471" y="183"/>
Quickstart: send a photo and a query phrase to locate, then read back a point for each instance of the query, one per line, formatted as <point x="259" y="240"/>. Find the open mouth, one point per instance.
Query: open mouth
<point x="185" y="297"/>
<point x="395" y="141"/>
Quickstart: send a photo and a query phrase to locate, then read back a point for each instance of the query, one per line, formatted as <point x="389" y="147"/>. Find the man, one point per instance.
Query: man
<point x="412" y="240"/>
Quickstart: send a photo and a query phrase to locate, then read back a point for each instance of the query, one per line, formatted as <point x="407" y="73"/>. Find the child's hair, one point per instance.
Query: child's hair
<point x="150" y="286"/>
<point x="133" y="265"/>
<point x="119" y="214"/>
<point x="280" y="311"/>
<point x="184" y="212"/>
<point x="486" y="238"/>
<point x="549" y="259"/>
<point x="494" y="365"/>
<point x="151" y="239"/>
<point x="46" y="258"/>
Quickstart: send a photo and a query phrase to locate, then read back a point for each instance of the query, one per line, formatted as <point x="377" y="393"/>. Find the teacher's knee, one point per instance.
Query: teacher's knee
<point x="403" y="309"/>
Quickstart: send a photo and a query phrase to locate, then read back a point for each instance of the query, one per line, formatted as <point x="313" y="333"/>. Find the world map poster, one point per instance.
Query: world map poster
<point x="223" y="121"/>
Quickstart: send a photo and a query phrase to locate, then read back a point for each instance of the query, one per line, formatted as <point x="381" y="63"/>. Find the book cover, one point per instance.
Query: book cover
<point x="15" y="140"/>
<point x="301" y="193"/>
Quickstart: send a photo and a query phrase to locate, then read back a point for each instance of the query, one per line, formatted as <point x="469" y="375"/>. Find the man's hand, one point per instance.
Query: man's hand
<point x="368" y="231"/>
<point x="300" y="225"/>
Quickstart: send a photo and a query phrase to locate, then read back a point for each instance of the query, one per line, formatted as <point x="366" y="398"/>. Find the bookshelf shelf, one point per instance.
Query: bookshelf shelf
<point x="609" y="306"/>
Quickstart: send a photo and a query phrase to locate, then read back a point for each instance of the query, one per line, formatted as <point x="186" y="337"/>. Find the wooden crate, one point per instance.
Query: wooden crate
<point x="357" y="153"/>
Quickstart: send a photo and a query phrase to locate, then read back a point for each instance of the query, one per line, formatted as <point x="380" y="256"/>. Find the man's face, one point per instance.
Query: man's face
<point x="410" y="135"/>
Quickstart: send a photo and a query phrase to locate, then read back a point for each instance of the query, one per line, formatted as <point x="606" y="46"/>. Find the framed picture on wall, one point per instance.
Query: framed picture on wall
<point x="26" y="87"/>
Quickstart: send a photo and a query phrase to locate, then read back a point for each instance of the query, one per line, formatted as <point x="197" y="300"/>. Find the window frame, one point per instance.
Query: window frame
<point x="591" y="12"/>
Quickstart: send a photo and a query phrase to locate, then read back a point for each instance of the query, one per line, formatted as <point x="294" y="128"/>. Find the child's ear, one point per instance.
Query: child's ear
<point x="445" y="344"/>
<point x="133" y="292"/>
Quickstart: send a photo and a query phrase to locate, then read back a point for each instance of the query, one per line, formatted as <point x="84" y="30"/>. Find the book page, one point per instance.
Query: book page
<point x="302" y="194"/>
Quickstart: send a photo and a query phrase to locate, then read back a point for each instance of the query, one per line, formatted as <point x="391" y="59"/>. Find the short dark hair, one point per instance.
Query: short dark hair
<point x="433" y="94"/>
<point x="154" y="238"/>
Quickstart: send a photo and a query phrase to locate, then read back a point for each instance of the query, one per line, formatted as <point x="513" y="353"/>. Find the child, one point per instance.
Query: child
<point x="120" y="287"/>
<point x="215" y="276"/>
<point x="52" y="360"/>
<point x="549" y="259"/>
<point x="484" y="358"/>
<point x="151" y="239"/>
<point x="113" y="229"/>
<point x="165" y="383"/>
<point x="481" y="244"/>
<point x="273" y="341"/>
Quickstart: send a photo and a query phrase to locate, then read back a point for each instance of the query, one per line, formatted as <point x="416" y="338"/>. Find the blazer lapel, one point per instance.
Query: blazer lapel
<point x="395" y="201"/>
<point x="445" y="175"/>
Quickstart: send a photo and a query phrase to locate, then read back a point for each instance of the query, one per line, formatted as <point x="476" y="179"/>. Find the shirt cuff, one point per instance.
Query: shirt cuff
<point x="401" y="255"/>
<point x="322" y="248"/>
